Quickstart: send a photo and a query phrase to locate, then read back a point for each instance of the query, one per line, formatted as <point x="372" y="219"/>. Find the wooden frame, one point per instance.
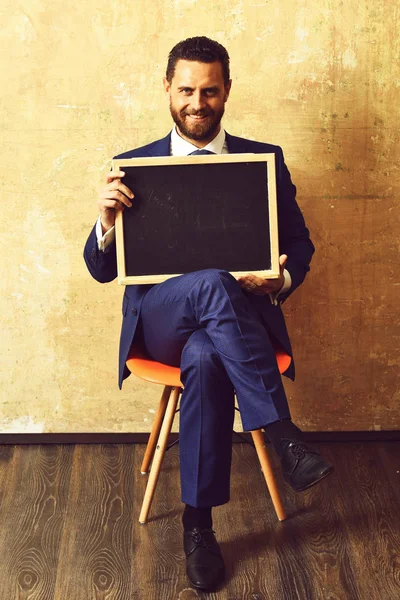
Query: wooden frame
<point x="267" y="158"/>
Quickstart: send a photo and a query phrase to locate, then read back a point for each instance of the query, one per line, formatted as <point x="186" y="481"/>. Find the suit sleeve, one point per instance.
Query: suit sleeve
<point x="101" y="265"/>
<point x="294" y="237"/>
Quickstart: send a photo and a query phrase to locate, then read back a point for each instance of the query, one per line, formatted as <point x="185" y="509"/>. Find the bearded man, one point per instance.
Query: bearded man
<point x="221" y="332"/>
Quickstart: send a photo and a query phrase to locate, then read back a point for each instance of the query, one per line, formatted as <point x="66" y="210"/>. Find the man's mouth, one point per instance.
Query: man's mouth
<point x="197" y="118"/>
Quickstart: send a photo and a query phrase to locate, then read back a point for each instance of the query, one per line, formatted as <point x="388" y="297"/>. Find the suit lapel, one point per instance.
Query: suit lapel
<point x="237" y="145"/>
<point x="160" y="147"/>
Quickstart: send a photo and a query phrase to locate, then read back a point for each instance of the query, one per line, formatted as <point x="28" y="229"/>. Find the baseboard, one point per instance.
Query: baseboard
<point x="141" y="438"/>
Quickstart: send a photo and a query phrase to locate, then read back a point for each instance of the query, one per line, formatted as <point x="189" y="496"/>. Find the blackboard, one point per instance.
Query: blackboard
<point x="197" y="212"/>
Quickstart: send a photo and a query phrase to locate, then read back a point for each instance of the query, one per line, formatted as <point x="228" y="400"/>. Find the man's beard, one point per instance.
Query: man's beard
<point x="197" y="131"/>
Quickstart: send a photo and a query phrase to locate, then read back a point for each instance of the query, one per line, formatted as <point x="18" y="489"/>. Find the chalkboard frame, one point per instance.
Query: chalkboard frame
<point x="270" y="197"/>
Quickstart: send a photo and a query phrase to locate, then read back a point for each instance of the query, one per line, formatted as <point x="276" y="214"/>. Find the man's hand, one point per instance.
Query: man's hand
<point x="114" y="195"/>
<point x="262" y="287"/>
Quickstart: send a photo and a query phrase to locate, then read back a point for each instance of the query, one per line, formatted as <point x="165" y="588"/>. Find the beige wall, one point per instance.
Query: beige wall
<point x="81" y="82"/>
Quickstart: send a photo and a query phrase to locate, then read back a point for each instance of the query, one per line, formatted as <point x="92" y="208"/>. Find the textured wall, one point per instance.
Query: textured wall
<point x="81" y="83"/>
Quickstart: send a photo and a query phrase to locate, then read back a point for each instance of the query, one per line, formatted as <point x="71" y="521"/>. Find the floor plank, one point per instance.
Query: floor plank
<point x="33" y="515"/>
<point x="97" y="545"/>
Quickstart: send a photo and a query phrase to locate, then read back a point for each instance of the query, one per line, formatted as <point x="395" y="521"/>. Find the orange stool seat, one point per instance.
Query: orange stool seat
<point x="154" y="372"/>
<point x="169" y="377"/>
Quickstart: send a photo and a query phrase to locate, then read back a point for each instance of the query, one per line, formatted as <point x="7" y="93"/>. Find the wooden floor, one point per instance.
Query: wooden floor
<point x="69" y="528"/>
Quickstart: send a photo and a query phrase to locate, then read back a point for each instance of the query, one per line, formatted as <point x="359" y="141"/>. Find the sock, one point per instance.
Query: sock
<point x="196" y="517"/>
<point x="279" y="430"/>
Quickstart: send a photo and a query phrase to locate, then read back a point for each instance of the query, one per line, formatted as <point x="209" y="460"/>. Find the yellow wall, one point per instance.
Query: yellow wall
<point x="82" y="82"/>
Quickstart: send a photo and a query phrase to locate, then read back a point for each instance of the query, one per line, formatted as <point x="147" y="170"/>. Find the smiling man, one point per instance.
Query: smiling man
<point x="221" y="332"/>
<point x="197" y="93"/>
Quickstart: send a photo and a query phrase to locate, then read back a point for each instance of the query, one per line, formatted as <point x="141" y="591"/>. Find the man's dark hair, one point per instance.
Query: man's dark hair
<point x="201" y="49"/>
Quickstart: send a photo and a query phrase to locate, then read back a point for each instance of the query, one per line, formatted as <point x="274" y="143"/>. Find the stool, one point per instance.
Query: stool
<point x="169" y="377"/>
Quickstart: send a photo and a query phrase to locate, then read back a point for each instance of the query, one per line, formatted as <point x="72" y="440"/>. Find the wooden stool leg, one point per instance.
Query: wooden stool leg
<point x="159" y="454"/>
<point x="155" y="430"/>
<point x="259" y="442"/>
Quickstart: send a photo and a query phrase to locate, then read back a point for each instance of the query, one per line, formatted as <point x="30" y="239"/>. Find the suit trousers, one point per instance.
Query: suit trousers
<point x="204" y="323"/>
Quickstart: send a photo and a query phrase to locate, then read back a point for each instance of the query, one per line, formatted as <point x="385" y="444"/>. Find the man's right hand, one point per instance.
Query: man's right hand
<point x="114" y="195"/>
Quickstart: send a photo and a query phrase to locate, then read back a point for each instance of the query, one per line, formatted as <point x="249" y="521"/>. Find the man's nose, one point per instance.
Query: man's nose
<point x="198" y="101"/>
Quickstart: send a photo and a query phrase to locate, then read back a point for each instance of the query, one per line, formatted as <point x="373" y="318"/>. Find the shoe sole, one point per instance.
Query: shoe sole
<point x="206" y="589"/>
<point x="210" y="588"/>
<point x="329" y="472"/>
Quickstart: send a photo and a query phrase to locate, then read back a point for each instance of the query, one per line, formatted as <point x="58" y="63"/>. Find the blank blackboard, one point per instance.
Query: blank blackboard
<point x="197" y="212"/>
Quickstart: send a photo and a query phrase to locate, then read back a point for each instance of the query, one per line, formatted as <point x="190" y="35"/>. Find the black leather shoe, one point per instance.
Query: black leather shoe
<point x="303" y="466"/>
<point x="204" y="563"/>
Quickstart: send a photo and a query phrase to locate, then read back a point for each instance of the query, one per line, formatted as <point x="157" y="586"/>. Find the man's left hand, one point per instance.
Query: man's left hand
<point x="262" y="287"/>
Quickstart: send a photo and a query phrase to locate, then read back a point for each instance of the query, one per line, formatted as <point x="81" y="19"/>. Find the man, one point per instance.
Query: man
<point x="220" y="331"/>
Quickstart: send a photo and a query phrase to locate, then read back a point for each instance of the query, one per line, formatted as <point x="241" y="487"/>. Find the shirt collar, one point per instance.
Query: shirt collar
<point x="180" y="147"/>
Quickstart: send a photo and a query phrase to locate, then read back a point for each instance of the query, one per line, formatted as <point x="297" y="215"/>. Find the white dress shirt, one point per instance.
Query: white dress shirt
<point x="181" y="147"/>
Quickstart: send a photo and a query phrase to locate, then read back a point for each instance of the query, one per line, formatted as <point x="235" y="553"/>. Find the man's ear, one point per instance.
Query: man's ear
<point x="227" y="90"/>
<point x="167" y="85"/>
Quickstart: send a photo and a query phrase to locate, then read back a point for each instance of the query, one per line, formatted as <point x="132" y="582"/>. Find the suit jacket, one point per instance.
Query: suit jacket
<point x="294" y="240"/>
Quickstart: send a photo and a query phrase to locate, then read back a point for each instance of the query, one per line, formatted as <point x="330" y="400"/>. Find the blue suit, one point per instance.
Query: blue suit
<point x="222" y="338"/>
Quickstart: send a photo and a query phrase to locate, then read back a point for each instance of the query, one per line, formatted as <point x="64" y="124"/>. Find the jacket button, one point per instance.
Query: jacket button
<point x="134" y="312"/>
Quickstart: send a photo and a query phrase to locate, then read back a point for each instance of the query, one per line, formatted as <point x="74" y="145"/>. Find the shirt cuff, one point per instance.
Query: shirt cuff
<point x="287" y="284"/>
<point x="104" y="241"/>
